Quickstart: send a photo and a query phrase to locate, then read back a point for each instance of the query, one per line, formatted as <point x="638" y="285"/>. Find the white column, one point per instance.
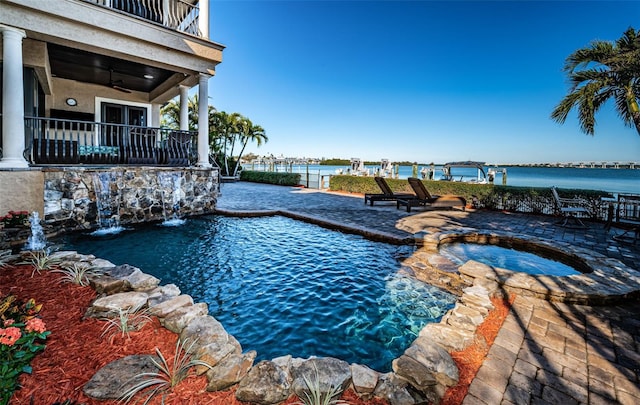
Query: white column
<point x="155" y="116"/>
<point x="12" y="99"/>
<point x="203" y="120"/>
<point x="184" y="108"/>
<point x="203" y="19"/>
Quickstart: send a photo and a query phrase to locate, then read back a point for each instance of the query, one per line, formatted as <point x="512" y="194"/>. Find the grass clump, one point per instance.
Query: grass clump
<point x="167" y="376"/>
<point x="40" y="260"/>
<point x="78" y="273"/>
<point x="126" y="321"/>
<point x="314" y="395"/>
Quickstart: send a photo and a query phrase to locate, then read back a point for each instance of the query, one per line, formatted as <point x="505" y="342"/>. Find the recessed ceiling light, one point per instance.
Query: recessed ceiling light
<point x="147" y="76"/>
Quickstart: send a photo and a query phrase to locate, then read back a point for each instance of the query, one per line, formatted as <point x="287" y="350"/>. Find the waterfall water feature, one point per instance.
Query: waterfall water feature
<point x="37" y="240"/>
<point x="107" y="203"/>
<point x="172" y="181"/>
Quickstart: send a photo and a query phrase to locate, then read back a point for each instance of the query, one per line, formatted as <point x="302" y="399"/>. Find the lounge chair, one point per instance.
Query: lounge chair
<point x="424" y="198"/>
<point x="386" y="195"/>
<point x="568" y="208"/>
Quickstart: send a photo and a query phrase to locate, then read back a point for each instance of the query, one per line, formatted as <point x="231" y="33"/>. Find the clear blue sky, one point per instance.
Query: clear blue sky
<point x="425" y="81"/>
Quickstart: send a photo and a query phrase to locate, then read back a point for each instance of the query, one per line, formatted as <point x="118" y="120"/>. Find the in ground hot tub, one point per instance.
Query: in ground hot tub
<point x="520" y="264"/>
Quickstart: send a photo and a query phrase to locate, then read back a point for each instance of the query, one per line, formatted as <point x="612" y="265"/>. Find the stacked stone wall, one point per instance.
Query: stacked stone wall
<point x="77" y="198"/>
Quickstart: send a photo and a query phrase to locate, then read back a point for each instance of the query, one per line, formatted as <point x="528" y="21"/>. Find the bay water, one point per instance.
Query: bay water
<point x="625" y="181"/>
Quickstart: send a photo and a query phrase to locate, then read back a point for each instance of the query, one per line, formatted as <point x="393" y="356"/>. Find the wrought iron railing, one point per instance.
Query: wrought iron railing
<point x="69" y="142"/>
<point x="175" y="14"/>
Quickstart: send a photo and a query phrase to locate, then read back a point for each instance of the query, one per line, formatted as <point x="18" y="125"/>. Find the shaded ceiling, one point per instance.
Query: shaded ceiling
<point x="83" y="66"/>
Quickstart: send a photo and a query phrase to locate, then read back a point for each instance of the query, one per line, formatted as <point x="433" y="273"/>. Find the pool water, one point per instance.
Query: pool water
<point x="511" y="259"/>
<point x="282" y="286"/>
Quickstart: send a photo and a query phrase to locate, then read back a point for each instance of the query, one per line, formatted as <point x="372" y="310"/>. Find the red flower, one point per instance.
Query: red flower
<point x="10" y="335"/>
<point x="35" y="325"/>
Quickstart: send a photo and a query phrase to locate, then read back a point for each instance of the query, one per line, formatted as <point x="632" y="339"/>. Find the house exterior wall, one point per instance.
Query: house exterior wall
<point x="21" y="190"/>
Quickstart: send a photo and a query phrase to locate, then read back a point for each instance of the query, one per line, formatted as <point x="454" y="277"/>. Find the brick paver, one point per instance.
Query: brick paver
<point x="545" y="352"/>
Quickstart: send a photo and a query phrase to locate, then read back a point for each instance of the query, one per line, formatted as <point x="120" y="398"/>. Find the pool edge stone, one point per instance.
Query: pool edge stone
<point x="231" y="366"/>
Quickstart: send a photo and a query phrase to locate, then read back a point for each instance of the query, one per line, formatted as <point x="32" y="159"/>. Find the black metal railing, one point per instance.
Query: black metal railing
<point x="175" y="14"/>
<point x="69" y="142"/>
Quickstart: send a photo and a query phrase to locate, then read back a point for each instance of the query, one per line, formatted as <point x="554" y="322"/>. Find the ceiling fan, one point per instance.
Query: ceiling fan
<point x="116" y="84"/>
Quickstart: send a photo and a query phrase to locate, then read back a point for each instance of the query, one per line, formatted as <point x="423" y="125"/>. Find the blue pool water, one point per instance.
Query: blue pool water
<point x="282" y="286"/>
<point x="505" y="258"/>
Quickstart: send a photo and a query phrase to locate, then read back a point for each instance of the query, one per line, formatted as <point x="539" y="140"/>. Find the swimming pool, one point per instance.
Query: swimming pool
<point x="282" y="286"/>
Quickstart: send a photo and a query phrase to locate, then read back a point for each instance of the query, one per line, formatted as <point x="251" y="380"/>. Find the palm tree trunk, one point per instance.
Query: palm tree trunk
<point x="634" y="109"/>
<point x="636" y="120"/>
<point x="244" y="145"/>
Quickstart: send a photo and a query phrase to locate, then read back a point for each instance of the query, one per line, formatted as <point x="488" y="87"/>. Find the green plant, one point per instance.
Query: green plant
<point x="5" y="257"/>
<point x="20" y="335"/>
<point x="40" y="260"/>
<point x="127" y="321"/>
<point x="282" y="179"/>
<point x="78" y="273"/>
<point x="14" y="219"/>
<point x="314" y="395"/>
<point x="167" y="376"/>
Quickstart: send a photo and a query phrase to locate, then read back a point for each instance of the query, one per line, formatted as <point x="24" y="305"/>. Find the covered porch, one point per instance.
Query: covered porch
<point x="83" y="82"/>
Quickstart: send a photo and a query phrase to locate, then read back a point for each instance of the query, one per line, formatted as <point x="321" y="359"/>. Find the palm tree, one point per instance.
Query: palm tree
<point x="224" y="129"/>
<point x="249" y="133"/>
<point x="603" y="71"/>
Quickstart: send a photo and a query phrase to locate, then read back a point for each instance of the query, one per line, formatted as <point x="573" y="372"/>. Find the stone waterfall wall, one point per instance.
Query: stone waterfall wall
<point x="78" y="198"/>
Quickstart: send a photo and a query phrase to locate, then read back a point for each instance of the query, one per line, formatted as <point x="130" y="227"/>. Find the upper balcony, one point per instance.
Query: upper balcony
<point x="170" y="35"/>
<point x="179" y="15"/>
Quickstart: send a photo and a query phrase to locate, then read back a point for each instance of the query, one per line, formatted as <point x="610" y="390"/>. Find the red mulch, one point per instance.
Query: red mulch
<point x="75" y="349"/>
<point x="470" y="359"/>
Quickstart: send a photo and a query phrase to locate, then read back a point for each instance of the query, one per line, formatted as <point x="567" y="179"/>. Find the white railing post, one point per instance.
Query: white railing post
<point x="184" y="107"/>
<point x="203" y="120"/>
<point x="203" y="18"/>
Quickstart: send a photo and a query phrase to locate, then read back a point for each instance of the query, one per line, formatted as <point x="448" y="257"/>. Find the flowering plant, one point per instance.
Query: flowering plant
<point x="14" y="218"/>
<point x="21" y="332"/>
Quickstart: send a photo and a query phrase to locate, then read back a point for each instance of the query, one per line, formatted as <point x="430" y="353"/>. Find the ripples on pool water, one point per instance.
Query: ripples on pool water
<point x="282" y="286"/>
<point x="505" y="258"/>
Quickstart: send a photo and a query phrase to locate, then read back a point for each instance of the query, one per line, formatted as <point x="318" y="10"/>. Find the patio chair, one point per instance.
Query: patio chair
<point x="569" y="208"/>
<point x="386" y="195"/>
<point x="627" y="217"/>
<point x="424" y="198"/>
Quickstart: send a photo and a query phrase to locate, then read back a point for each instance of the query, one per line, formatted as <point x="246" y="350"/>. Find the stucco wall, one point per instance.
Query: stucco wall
<point x="21" y="190"/>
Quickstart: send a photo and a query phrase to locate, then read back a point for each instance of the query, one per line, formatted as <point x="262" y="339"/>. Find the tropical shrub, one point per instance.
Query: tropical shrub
<point x="282" y="179"/>
<point x="21" y="337"/>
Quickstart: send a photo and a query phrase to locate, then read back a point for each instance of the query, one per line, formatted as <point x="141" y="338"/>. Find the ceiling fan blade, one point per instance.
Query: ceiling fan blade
<point x="122" y="89"/>
<point x="115" y="84"/>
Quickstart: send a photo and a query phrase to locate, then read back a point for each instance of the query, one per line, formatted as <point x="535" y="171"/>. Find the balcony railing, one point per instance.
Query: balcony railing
<point x="68" y="142"/>
<point x="175" y="14"/>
